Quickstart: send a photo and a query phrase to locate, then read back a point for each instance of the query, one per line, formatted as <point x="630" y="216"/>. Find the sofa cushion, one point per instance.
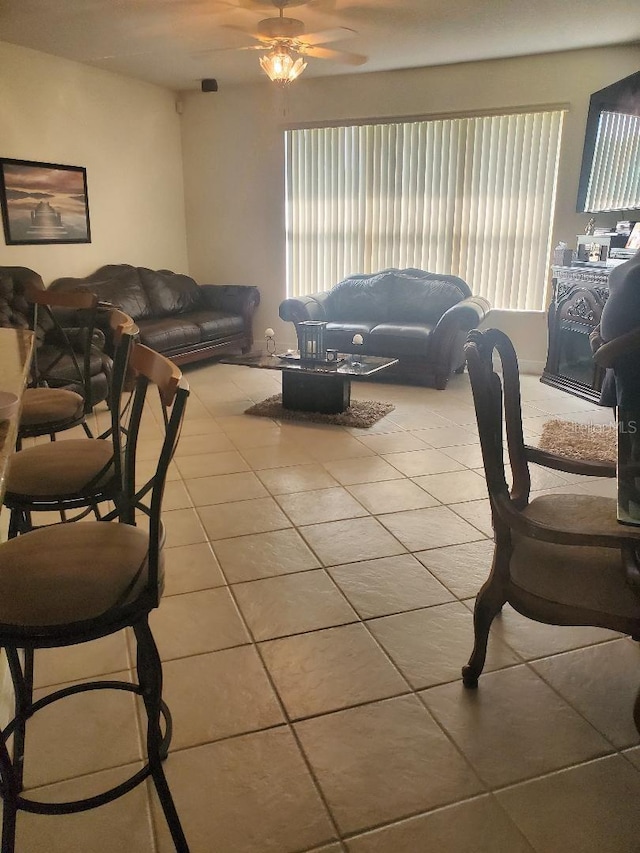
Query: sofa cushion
<point x="170" y="293"/>
<point x="400" y="340"/>
<point x="422" y="300"/>
<point x="216" y="325"/>
<point x="123" y="289"/>
<point x="169" y="333"/>
<point x="397" y="296"/>
<point x="358" y="298"/>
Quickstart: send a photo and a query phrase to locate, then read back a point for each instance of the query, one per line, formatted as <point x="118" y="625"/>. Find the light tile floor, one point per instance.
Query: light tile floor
<point x="317" y="612"/>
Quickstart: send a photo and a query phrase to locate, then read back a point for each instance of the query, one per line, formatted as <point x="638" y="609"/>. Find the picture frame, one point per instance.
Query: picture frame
<point x="43" y="203"/>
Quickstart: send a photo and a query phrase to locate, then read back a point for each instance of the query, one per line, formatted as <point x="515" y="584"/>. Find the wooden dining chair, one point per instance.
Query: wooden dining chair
<point x="72" y="583"/>
<point x="561" y="559"/>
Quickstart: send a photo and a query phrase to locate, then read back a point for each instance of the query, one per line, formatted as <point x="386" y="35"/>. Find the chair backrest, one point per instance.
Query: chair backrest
<point x="498" y="406"/>
<point x="68" y="360"/>
<point x="152" y="370"/>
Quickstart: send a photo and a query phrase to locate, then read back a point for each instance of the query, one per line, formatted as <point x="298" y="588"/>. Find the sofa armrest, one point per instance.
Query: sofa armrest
<point x="239" y="299"/>
<point x="303" y="308"/>
<point x="450" y="333"/>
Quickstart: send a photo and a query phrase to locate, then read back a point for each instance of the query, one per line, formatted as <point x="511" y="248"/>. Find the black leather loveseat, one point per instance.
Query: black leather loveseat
<point x="176" y="316"/>
<point x="418" y="317"/>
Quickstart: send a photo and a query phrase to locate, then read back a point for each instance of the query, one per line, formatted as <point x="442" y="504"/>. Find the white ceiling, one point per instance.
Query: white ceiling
<point x="175" y="43"/>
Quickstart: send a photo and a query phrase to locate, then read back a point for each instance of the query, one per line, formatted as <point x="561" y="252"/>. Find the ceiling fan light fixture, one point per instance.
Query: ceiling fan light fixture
<point x="281" y="66"/>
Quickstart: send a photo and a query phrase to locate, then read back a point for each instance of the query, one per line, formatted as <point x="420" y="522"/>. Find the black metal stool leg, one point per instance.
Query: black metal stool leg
<point x="150" y="679"/>
<point x="22" y="678"/>
<point x="9" y="791"/>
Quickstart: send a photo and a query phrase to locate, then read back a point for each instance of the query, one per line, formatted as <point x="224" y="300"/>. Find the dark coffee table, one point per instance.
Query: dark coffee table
<point x="315" y="388"/>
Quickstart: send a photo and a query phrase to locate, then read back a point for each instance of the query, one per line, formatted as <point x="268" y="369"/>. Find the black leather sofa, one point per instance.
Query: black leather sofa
<point x="418" y="317"/>
<point x="176" y="316"/>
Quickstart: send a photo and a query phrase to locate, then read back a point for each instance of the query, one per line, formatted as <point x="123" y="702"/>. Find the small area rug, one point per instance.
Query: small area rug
<point x="361" y="413"/>
<point x="579" y="441"/>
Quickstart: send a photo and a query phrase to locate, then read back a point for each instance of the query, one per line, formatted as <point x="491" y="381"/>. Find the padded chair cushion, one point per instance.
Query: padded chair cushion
<point x="169" y="333"/>
<point x="60" y="468"/>
<point x="42" y="406"/>
<point x="580" y="577"/>
<point x="576" y="513"/>
<point x="67" y="573"/>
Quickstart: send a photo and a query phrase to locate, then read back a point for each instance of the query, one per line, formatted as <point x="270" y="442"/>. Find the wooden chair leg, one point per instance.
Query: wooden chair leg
<point x="150" y="679"/>
<point x="489" y="603"/>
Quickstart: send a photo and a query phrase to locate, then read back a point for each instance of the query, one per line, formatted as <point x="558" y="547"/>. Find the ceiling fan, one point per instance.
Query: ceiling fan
<point x="288" y="44"/>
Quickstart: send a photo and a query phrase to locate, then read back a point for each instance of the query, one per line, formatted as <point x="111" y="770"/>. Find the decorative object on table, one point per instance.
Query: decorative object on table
<point x="43" y="203"/>
<point x="270" y="338"/>
<point x="357" y="341"/>
<point x="332" y="356"/>
<point x="579" y="441"/>
<point x="594" y="249"/>
<point x="590" y="227"/>
<point x="361" y="414"/>
<point x="311" y="340"/>
<point x="562" y="255"/>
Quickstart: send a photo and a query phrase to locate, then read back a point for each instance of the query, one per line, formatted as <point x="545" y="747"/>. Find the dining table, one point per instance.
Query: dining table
<point x="16" y="349"/>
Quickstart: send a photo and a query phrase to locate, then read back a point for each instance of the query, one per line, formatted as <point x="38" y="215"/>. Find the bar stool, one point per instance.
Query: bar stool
<point x="78" y="473"/>
<point x="73" y="583"/>
<point x="59" y="397"/>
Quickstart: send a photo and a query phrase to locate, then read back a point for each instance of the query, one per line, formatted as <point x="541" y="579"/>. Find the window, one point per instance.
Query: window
<point x="469" y="196"/>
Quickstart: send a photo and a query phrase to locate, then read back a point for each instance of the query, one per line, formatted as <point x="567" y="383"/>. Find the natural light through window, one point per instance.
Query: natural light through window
<point x="469" y="196"/>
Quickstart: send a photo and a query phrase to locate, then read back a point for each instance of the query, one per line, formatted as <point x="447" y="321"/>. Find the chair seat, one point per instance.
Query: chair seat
<point x="577" y="513"/>
<point x="42" y="406"/>
<point x="582" y="577"/>
<point x="68" y="573"/>
<point x="79" y="466"/>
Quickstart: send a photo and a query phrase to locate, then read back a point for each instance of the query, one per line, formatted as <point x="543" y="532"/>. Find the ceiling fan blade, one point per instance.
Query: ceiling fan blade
<point x="247" y="33"/>
<point x="335" y="55"/>
<point x="326" y="36"/>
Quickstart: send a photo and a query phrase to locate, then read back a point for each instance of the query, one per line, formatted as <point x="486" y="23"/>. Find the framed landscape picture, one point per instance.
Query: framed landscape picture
<point x="43" y="203"/>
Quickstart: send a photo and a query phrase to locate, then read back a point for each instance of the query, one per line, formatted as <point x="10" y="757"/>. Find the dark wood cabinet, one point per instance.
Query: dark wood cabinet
<point x="579" y="295"/>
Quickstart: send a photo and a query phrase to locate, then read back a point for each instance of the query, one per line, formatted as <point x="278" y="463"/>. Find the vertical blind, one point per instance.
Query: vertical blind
<point x="614" y="183"/>
<point x="473" y="197"/>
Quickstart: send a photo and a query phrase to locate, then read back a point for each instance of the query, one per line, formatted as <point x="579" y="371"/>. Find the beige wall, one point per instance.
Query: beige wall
<point x="127" y="135"/>
<point x="234" y="158"/>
